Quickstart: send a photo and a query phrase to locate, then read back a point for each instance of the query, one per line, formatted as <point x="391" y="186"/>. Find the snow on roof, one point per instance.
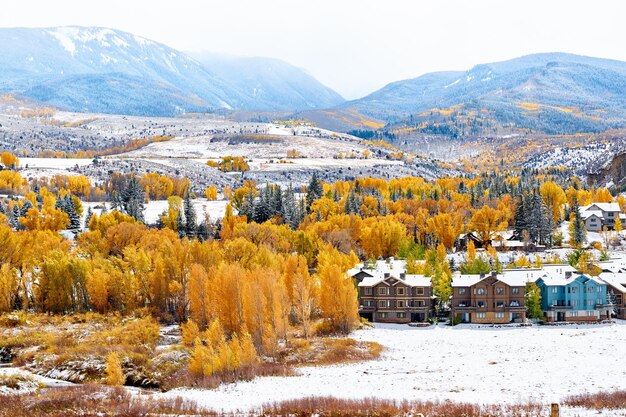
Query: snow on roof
<point x="392" y="266"/>
<point x="465" y="280"/>
<point x="519" y="277"/>
<point x="590" y="213"/>
<point x="617" y="281"/>
<point x="410" y="280"/>
<point x="601" y="206"/>
<point x="417" y="280"/>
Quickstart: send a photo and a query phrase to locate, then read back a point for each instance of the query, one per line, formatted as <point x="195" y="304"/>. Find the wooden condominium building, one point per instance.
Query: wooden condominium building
<point x="573" y="296"/>
<point x="492" y="298"/>
<point x="388" y="295"/>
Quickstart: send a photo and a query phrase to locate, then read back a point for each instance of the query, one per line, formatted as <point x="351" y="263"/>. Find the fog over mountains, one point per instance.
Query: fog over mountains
<point x="110" y="71"/>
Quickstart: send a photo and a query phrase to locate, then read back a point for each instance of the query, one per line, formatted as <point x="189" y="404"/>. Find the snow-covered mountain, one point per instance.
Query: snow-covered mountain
<point x="548" y="92"/>
<point x="270" y="81"/>
<point x="106" y="70"/>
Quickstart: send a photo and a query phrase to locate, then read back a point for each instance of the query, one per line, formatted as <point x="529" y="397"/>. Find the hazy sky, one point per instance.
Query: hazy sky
<point x="353" y="46"/>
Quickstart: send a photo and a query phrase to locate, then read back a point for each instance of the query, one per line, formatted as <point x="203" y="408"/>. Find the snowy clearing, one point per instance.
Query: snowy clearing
<point x="467" y="363"/>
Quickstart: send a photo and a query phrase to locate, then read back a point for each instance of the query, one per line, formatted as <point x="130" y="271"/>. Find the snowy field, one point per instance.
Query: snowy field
<point x="215" y="210"/>
<point x="465" y="363"/>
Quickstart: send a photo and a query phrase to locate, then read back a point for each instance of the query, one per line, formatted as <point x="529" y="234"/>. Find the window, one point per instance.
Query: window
<point x="382" y="304"/>
<point x="515" y="290"/>
<point x="480" y="315"/>
<point x="480" y="291"/>
<point x="574" y="290"/>
<point x="401" y="315"/>
<point x="574" y="303"/>
<point x="400" y="291"/>
<point x="574" y="313"/>
<point x="368" y="291"/>
<point x="500" y="304"/>
<point x="420" y="303"/>
<point x="499" y="315"/>
<point x="499" y="290"/>
<point x="590" y="313"/>
<point x="420" y="291"/>
<point x="481" y="304"/>
<point x="369" y="303"/>
<point x="554" y="302"/>
<point x="555" y="290"/>
<point x="461" y="291"/>
<point x="382" y="315"/>
<point x="514" y="303"/>
<point x="400" y="304"/>
<point x="382" y="291"/>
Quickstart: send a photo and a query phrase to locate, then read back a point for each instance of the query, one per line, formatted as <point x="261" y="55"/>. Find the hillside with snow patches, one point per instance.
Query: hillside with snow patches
<point x="553" y="93"/>
<point x="582" y="160"/>
<point x="109" y="71"/>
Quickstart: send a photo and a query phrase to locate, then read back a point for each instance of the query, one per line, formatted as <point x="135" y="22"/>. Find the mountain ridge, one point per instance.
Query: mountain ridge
<point x="41" y="62"/>
<point x="580" y="94"/>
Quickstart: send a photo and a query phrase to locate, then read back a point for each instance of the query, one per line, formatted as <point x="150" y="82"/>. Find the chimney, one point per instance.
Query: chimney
<point x="482" y="275"/>
<point x="402" y="275"/>
<point x="494" y="274"/>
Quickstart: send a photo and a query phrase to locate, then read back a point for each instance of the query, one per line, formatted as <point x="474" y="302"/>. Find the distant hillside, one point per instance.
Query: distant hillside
<point x="110" y="71"/>
<point x="550" y="93"/>
<point x="272" y="83"/>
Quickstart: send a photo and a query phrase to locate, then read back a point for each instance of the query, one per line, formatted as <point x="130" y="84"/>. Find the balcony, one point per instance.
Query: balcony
<point x="560" y="308"/>
<point x="604" y="306"/>
<point x="367" y="308"/>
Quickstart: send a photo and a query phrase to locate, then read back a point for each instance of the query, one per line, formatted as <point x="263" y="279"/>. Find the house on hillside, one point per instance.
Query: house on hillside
<point x="599" y="215"/>
<point x="493" y="298"/>
<point x="390" y="296"/>
<point x="567" y="295"/>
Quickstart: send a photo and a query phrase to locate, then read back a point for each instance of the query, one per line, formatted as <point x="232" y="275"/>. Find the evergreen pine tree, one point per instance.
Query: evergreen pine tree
<point x="314" y="191"/>
<point x="88" y="218"/>
<point x="132" y="199"/>
<point x="25" y="207"/>
<point x="190" y="217"/>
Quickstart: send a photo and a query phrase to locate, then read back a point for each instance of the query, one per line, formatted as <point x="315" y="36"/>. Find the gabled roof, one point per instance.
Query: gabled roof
<point x="601" y="206"/>
<point x="591" y="213"/>
<point x="617" y="281"/>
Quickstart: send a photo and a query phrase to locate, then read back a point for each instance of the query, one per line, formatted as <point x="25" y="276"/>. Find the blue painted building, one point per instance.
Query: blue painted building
<point x="568" y="295"/>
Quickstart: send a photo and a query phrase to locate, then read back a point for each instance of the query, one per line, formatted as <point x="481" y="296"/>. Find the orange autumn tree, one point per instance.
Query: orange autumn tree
<point x="486" y="222"/>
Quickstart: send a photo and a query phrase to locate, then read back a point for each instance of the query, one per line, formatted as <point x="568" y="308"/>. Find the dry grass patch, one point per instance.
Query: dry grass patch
<point x="601" y="400"/>
<point x="94" y="400"/>
<point x="375" y="407"/>
<point x="329" y="351"/>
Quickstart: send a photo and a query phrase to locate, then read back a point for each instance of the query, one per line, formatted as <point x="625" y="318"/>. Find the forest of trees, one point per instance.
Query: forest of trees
<point x="276" y="263"/>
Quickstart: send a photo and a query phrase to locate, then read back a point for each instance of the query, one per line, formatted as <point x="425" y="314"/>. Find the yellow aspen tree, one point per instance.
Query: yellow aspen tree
<point x="211" y="193"/>
<point x="198" y="294"/>
<point x="8" y="287"/>
<point x="248" y="351"/>
<point x="114" y="374"/>
<point x="304" y="292"/>
<point x="471" y="251"/>
<point x="190" y="332"/>
<point x="200" y="356"/>
<point x="338" y="299"/>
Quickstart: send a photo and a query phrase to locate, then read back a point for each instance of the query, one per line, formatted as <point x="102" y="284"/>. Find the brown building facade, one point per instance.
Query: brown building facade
<point x="488" y="299"/>
<point x="395" y="298"/>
